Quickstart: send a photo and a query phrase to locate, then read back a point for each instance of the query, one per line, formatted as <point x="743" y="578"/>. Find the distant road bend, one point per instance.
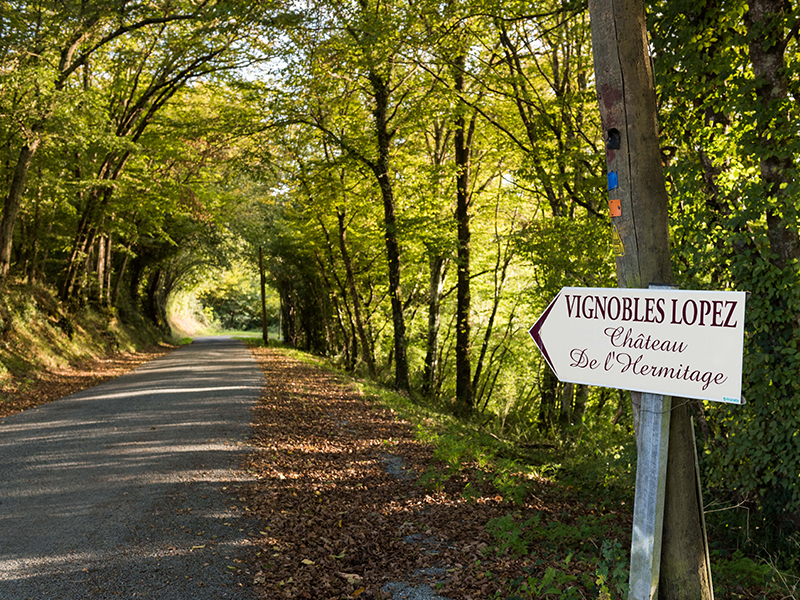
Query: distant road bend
<point x="126" y="490"/>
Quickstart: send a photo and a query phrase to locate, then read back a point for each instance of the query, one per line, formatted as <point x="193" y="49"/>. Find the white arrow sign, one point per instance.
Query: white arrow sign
<point x="672" y="342"/>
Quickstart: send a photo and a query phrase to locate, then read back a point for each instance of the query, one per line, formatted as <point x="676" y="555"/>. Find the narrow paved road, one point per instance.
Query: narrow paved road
<point x="127" y="490"/>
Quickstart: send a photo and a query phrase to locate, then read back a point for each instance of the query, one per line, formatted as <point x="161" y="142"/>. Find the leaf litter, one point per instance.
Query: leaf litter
<point x="343" y="513"/>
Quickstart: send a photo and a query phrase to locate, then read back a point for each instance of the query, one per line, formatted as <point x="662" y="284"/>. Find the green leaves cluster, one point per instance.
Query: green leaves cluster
<point x="115" y="120"/>
<point x="367" y="114"/>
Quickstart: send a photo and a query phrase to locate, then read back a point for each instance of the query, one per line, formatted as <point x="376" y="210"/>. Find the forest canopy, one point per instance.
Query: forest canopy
<point x="423" y="178"/>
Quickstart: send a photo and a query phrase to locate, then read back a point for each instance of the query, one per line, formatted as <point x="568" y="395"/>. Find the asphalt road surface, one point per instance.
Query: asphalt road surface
<point x="128" y="489"/>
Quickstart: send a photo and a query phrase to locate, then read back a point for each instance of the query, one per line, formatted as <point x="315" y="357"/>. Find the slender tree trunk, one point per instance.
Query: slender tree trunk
<point x="366" y="353"/>
<point x="33" y="234"/>
<point x="101" y="269"/>
<point x="438" y="265"/>
<point x="12" y="204"/>
<point x="288" y="316"/>
<point x="382" y="172"/>
<point x="567" y="398"/>
<point x="263" y="280"/>
<point x="79" y="248"/>
<point x="114" y="298"/>
<point x="464" y="391"/>
<point x="93" y="213"/>
<point x="135" y="281"/>
<point x="548" y="392"/>
<point x="581" y="397"/>
<point x="347" y="324"/>
<point x="348" y="337"/>
<point x="40" y="256"/>
<point x="500" y="273"/>
<point x="108" y="269"/>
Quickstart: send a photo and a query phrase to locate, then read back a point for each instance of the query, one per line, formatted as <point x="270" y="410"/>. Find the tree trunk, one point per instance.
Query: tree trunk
<point x="151" y="302"/>
<point x="347" y="340"/>
<point x="366" y="352"/>
<point x="12" y="204"/>
<point x="548" y="391"/>
<point x="500" y="274"/>
<point x="624" y="83"/>
<point x="567" y="398"/>
<point x="109" y="268"/>
<point x="32" y="235"/>
<point x="101" y="269"/>
<point x="93" y="213"/>
<point x="288" y="314"/>
<point x="263" y="281"/>
<point x="464" y="391"/>
<point x="381" y="170"/>
<point x="347" y="325"/>
<point x="581" y="397"/>
<point x="765" y="23"/>
<point x="114" y="298"/>
<point x="438" y="266"/>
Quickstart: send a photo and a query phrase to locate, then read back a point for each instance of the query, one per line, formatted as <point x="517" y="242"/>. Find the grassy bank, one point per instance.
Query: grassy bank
<point x="48" y="350"/>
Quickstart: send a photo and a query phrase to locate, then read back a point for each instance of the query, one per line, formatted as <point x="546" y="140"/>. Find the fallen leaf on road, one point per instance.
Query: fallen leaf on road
<point x="352" y="578"/>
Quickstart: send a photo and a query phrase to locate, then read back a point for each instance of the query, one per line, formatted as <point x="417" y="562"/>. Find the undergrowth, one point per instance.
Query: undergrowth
<point x="38" y="334"/>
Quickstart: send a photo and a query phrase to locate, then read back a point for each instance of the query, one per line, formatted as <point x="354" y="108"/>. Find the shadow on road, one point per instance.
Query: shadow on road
<point x="129" y="489"/>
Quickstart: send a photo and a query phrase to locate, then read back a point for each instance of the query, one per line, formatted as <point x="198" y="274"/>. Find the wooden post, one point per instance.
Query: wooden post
<point x="638" y="208"/>
<point x="638" y="199"/>
<point x="264" y="329"/>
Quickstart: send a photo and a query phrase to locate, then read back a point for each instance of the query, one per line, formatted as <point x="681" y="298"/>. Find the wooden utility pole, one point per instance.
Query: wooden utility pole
<point x="264" y="329"/>
<point x="638" y="205"/>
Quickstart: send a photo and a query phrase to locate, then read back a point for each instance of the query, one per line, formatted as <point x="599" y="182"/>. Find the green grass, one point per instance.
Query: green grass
<point x="38" y="335"/>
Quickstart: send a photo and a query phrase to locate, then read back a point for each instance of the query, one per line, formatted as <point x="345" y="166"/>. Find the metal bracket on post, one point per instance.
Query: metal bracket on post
<point x="651" y="483"/>
<point x="648" y="505"/>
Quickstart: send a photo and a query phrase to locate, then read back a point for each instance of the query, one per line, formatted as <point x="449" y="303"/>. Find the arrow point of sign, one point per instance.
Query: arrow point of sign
<point x="536" y="333"/>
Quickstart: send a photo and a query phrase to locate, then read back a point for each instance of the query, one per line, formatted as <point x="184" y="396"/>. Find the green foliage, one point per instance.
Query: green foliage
<point x="733" y="145"/>
<point x="39" y="336"/>
<point x="233" y="299"/>
<point x="510" y="535"/>
<point x="612" y="571"/>
<point x="179" y="146"/>
<point x="576" y="542"/>
<point x="604" y="459"/>
<point x="554" y="583"/>
<point x="739" y="570"/>
<point x="562" y="554"/>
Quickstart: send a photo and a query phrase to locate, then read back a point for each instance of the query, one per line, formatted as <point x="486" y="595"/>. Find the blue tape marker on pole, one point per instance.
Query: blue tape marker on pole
<point x="613" y="182"/>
